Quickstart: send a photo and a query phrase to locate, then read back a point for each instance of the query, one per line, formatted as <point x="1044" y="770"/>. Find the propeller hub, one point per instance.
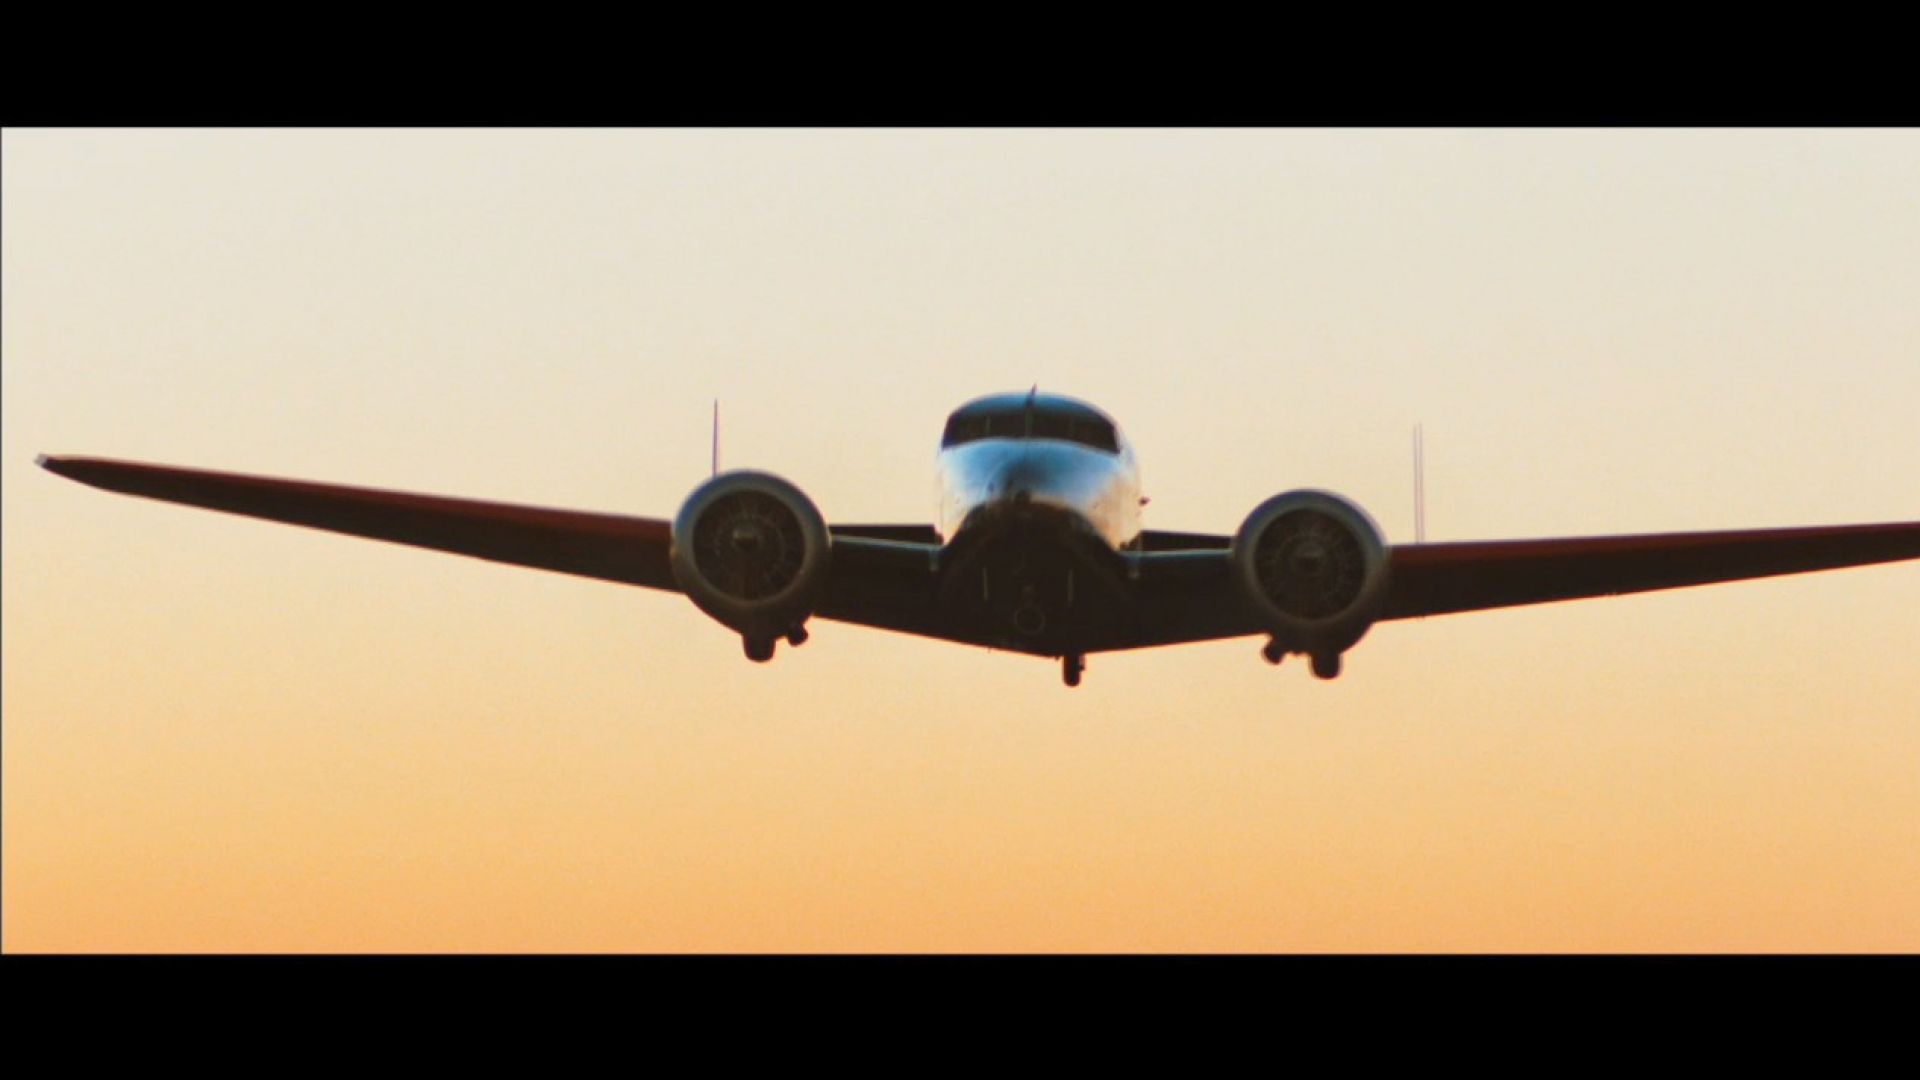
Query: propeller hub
<point x="747" y="537"/>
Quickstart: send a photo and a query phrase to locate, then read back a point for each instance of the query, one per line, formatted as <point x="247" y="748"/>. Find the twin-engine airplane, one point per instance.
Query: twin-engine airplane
<point x="1038" y="548"/>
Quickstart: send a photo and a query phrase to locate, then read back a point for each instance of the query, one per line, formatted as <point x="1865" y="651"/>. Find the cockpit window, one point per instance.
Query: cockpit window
<point x="973" y="424"/>
<point x="969" y="427"/>
<point x="1085" y="430"/>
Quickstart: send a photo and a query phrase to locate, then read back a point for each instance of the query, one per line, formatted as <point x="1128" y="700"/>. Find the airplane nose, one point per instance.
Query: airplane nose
<point x="1018" y="481"/>
<point x="1029" y="482"/>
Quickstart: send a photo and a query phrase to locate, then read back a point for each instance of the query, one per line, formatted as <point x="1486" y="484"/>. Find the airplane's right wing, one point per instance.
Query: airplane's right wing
<point x="611" y="547"/>
<point x="882" y="575"/>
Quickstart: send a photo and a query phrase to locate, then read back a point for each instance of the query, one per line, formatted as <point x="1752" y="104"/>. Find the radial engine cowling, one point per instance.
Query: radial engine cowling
<point x="1315" y="567"/>
<point x="751" y="550"/>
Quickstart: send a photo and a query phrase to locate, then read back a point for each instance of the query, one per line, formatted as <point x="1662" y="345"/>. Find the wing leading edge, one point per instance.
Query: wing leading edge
<point x="629" y="550"/>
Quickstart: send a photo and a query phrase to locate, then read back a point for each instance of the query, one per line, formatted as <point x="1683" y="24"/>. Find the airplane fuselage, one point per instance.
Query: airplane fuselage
<point x="1038" y="496"/>
<point x="1099" y="491"/>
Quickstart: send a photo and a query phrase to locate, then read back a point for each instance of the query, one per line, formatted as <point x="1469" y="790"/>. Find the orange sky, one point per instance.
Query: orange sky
<point x="228" y="735"/>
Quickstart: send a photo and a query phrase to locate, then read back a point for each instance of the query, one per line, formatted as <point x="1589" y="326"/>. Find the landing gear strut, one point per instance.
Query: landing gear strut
<point x="1326" y="665"/>
<point x="1071" y="667"/>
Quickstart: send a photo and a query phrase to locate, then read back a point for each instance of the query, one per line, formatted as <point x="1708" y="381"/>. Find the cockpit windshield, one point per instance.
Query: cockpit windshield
<point x="966" y="428"/>
<point x="1092" y="431"/>
<point x="1019" y="419"/>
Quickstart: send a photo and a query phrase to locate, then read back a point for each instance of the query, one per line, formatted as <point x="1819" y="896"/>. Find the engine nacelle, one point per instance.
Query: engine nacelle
<point x="1315" y="566"/>
<point x="751" y="550"/>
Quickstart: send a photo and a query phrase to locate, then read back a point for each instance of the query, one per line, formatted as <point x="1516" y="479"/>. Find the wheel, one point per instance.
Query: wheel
<point x="759" y="650"/>
<point x="1273" y="652"/>
<point x="797" y="636"/>
<point x="1071" y="668"/>
<point x="1326" y="665"/>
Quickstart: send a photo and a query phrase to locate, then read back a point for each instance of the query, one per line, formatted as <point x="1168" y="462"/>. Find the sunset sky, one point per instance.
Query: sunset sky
<point x="229" y="735"/>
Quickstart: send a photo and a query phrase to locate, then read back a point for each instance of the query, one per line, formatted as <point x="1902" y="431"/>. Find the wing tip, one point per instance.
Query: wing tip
<point x="72" y="468"/>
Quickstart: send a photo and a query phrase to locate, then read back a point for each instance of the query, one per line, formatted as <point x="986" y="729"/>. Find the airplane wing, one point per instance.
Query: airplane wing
<point x="630" y="550"/>
<point x="1187" y="588"/>
<point x="882" y="574"/>
<point x="1437" y="579"/>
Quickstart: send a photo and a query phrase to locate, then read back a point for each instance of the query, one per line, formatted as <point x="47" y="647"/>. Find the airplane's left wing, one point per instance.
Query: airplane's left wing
<point x="1187" y="592"/>
<point x="1438" y="579"/>
<point x="611" y="547"/>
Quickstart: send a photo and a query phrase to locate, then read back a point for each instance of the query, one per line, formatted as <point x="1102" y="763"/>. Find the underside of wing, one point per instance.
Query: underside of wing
<point x="1149" y="598"/>
<point x="1186" y="591"/>
<point x="1161" y="540"/>
<point x="1189" y="594"/>
<point x="610" y="547"/>
<point x="889" y="585"/>
<point x="881" y="576"/>
<point x="899" y="534"/>
<point x="1435" y="579"/>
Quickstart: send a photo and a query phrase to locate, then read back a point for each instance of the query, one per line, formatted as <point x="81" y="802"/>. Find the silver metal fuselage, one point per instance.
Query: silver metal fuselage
<point x="1083" y="488"/>
<point x="1033" y="530"/>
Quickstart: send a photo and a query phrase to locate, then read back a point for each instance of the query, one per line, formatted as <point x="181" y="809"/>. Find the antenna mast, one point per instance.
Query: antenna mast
<point x="1419" y="485"/>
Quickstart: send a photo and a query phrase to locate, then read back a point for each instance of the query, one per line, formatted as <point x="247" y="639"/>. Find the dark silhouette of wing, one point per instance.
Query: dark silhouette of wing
<point x="882" y="575"/>
<point x="1187" y="593"/>
<point x="611" y="547"/>
<point x="901" y="534"/>
<point x="1436" y="579"/>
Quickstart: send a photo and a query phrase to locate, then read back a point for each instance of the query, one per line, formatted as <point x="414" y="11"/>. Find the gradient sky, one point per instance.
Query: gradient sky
<point x="229" y="735"/>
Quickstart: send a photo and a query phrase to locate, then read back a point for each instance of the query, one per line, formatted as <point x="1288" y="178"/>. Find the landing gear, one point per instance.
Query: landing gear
<point x="1325" y="665"/>
<point x="1072" y="666"/>
<point x="760" y="649"/>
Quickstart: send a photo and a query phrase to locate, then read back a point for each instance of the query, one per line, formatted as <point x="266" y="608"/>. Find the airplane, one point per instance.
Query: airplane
<point x="1037" y="547"/>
